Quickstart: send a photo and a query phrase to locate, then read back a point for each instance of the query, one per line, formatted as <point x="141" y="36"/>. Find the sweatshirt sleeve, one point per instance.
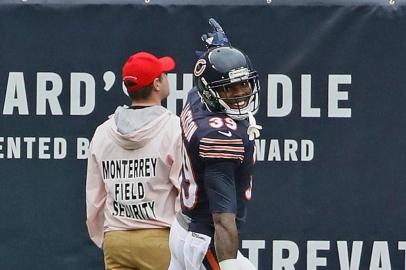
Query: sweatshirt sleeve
<point x="174" y="154"/>
<point x="177" y="162"/>
<point x="175" y="157"/>
<point x="95" y="201"/>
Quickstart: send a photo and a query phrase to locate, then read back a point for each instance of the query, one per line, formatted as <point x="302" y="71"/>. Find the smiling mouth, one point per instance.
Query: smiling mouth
<point x="239" y="104"/>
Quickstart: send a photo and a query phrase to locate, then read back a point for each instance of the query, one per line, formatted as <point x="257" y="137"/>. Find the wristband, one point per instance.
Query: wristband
<point x="230" y="264"/>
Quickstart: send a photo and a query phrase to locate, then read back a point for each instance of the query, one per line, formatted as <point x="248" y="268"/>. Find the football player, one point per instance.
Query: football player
<point x="218" y="130"/>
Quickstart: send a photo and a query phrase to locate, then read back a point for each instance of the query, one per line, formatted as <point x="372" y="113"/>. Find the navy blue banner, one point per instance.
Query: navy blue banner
<point x="329" y="181"/>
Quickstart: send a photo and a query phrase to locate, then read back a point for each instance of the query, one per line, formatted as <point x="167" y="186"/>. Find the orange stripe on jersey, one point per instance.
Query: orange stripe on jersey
<point x="220" y="141"/>
<point x="222" y="148"/>
<point x="221" y="155"/>
<point x="212" y="260"/>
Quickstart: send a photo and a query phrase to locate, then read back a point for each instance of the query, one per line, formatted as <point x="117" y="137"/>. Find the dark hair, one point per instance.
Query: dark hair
<point x="142" y="93"/>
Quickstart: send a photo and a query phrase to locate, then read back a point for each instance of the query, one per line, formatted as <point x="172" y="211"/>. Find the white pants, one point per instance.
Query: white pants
<point x="188" y="250"/>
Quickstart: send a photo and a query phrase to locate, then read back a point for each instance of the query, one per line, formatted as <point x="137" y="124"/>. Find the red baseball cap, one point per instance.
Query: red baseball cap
<point x="142" y="68"/>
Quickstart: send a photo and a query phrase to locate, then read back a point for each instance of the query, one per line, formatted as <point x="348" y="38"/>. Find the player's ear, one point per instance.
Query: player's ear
<point x="157" y="83"/>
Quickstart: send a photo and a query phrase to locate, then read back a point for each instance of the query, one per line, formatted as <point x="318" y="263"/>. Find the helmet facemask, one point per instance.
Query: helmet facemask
<point x="236" y="107"/>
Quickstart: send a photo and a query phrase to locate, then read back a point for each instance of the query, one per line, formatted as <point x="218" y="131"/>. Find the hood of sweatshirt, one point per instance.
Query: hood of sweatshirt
<point x="132" y="129"/>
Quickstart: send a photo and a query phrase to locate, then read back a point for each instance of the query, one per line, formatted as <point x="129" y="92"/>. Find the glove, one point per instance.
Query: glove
<point x="230" y="264"/>
<point x="216" y="38"/>
<point x="253" y="130"/>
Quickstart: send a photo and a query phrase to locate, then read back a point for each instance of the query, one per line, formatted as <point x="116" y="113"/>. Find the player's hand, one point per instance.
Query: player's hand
<point x="217" y="37"/>
<point x="253" y="130"/>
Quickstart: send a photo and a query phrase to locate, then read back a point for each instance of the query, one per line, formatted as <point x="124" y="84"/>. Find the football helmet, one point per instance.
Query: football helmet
<point x="215" y="74"/>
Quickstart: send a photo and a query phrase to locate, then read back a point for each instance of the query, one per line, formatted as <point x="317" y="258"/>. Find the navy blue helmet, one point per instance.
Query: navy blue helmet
<point x="216" y="70"/>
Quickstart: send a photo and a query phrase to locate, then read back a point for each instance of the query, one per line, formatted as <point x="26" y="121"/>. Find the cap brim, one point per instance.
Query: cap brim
<point x="167" y="63"/>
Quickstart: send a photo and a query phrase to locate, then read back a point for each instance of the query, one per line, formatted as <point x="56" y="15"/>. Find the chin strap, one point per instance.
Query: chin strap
<point x="253" y="130"/>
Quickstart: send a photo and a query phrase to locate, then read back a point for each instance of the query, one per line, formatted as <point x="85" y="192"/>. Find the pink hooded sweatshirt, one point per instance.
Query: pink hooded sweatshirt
<point x="133" y="171"/>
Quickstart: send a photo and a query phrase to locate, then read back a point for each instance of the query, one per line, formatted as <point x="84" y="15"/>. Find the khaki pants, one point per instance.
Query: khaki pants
<point x="143" y="249"/>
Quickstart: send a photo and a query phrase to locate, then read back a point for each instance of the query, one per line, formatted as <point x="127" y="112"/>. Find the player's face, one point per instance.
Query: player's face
<point x="236" y="95"/>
